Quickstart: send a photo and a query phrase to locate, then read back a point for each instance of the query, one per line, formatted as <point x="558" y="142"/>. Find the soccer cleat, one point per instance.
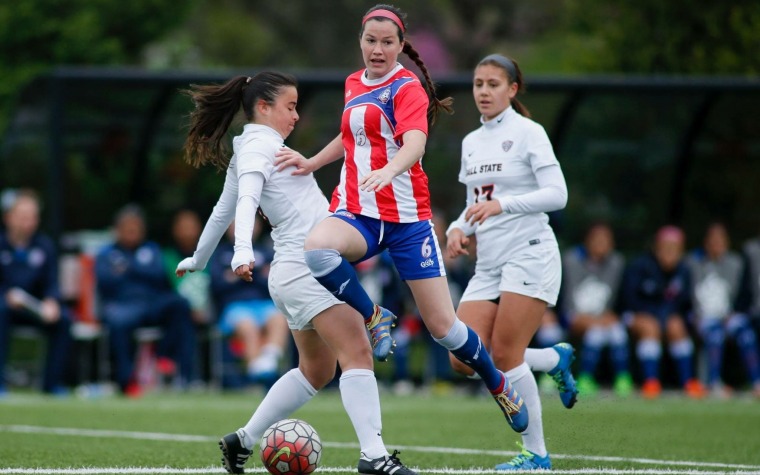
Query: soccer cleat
<point x="587" y="385"/>
<point x="562" y="375"/>
<point x="651" y="388"/>
<point x="234" y="454"/>
<point x="526" y="460"/>
<point x="385" y="465"/>
<point x="623" y="385"/>
<point x="512" y="406"/>
<point x="379" y="326"/>
<point x="695" y="389"/>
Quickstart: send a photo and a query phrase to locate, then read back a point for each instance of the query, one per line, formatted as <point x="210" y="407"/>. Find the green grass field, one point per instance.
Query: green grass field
<point x="171" y="433"/>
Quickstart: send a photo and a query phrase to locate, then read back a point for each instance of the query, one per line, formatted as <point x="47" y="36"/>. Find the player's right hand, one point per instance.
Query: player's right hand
<point x="456" y="243"/>
<point x="187" y="264"/>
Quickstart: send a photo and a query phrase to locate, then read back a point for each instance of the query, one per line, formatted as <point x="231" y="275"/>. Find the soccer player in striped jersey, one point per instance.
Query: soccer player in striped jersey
<point x="383" y="202"/>
<point x="325" y="330"/>
<point x="513" y="179"/>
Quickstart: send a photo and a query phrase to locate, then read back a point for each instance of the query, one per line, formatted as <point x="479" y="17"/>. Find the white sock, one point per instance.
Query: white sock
<point x="358" y="390"/>
<point x="289" y="393"/>
<point x="525" y="384"/>
<point x="545" y="359"/>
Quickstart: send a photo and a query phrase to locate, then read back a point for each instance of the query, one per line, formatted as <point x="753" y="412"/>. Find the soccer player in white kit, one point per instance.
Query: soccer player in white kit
<point x="383" y="202"/>
<point x="512" y="179"/>
<point x="325" y="330"/>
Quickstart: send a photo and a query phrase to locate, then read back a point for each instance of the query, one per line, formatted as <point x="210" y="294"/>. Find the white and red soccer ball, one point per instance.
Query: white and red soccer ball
<point x="291" y="447"/>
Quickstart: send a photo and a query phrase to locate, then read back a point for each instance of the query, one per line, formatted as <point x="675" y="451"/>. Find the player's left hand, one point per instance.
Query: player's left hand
<point x="478" y="212"/>
<point x="376" y="180"/>
<point x="245" y="272"/>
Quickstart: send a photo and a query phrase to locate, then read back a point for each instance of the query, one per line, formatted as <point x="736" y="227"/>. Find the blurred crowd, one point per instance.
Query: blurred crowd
<point x="670" y="317"/>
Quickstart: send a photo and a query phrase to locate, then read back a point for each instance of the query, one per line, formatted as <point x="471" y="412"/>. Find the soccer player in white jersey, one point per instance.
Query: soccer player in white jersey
<point x="512" y="179"/>
<point x="383" y="202"/>
<point x="324" y="329"/>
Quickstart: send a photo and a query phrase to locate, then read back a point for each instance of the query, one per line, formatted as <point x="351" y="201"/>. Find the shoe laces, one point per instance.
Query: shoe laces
<point x="390" y="462"/>
<point x="509" y="405"/>
<point x="525" y="456"/>
<point x="376" y="326"/>
<point x="557" y="377"/>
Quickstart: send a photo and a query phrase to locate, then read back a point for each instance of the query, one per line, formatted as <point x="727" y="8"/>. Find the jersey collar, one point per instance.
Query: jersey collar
<point x="262" y="128"/>
<point x="507" y="114"/>
<point x="378" y="81"/>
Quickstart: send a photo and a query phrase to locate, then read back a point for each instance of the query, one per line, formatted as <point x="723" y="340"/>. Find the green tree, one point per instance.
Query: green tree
<point x="676" y="36"/>
<point x="36" y="35"/>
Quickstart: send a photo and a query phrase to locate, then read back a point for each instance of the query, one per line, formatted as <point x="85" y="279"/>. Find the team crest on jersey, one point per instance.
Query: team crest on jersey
<point x="506" y="145"/>
<point x="345" y="213"/>
<point x="385" y="95"/>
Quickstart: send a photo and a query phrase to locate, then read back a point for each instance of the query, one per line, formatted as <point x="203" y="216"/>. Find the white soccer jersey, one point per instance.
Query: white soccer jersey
<point x="293" y="204"/>
<point x="499" y="162"/>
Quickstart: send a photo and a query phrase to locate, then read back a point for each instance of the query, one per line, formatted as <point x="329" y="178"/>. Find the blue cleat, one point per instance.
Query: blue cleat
<point x="379" y="327"/>
<point x="561" y="374"/>
<point x="513" y="407"/>
<point x="526" y="460"/>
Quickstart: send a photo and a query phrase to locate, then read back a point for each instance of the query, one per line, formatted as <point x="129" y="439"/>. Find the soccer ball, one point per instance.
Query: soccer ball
<point x="291" y="447"/>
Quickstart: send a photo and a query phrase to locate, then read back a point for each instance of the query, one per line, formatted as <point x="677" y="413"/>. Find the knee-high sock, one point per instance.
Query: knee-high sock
<point x="339" y="277"/>
<point x="358" y="390"/>
<point x="544" y="359"/>
<point x="466" y="346"/>
<point x="593" y="341"/>
<point x="289" y="393"/>
<point x="714" y="336"/>
<point x="618" y="341"/>
<point x="682" y="351"/>
<point x="525" y="383"/>
<point x="746" y="341"/>
<point x="649" y="353"/>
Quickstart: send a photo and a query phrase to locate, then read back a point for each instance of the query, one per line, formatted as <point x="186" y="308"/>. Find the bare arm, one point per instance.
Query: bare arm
<point x="290" y="158"/>
<point x="409" y="154"/>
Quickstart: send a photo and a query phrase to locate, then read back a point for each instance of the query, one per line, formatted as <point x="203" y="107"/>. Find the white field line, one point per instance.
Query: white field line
<point x="325" y="470"/>
<point x="755" y="469"/>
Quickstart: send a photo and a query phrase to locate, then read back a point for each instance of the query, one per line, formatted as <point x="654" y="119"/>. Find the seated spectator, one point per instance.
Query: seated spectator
<point x="591" y="274"/>
<point x="135" y="292"/>
<point x="195" y="286"/>
<point x="656" y="296"/>
<point x="29" y="294"/>
<point x="716" y="284"/>
<point x="751" y="286"/>
<point x="247" y="311"/>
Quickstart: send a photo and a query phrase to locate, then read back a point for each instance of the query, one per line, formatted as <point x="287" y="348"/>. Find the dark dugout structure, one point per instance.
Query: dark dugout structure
<point x="637" y="152"/>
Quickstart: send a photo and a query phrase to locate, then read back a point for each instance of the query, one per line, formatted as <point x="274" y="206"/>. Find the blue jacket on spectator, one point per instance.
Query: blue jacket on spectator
<point x="648" y="289"/>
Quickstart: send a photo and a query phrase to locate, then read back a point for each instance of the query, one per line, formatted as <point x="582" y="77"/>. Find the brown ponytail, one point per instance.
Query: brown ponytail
<point x="215" y="108"/>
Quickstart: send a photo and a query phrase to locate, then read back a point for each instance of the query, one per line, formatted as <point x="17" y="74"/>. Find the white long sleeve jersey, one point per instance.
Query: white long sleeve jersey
<point x="293" y="204"/>
<point x="510" y="159"/>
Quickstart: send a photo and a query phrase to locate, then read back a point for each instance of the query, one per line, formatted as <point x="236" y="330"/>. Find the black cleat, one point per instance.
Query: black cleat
<point x="234" y="455"/>
<point x="386" y="465"/>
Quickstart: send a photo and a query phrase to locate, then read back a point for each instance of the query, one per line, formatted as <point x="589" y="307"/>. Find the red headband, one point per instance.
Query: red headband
<point x="382" y="13"/>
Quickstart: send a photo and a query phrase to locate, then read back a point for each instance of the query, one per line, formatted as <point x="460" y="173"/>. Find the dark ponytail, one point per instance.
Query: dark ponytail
<point x="215" y="108"/>
<point x="436" y="105"/>
<point x="514" y="76"/>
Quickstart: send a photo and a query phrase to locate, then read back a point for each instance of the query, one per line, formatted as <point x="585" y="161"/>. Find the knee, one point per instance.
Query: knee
<point x="318" y="375"/>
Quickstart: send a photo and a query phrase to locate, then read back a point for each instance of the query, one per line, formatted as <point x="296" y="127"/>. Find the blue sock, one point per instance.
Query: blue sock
<point x="344" y="284"/>
<point x="474" y="355"/>
<point x="619" y="357"/>
<point x="649" y="353"/>
<point x="747" y="343"/>
<point x="592" y="349"/>
<point x="714" y="336"/>
<point x="682" y="351"/>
